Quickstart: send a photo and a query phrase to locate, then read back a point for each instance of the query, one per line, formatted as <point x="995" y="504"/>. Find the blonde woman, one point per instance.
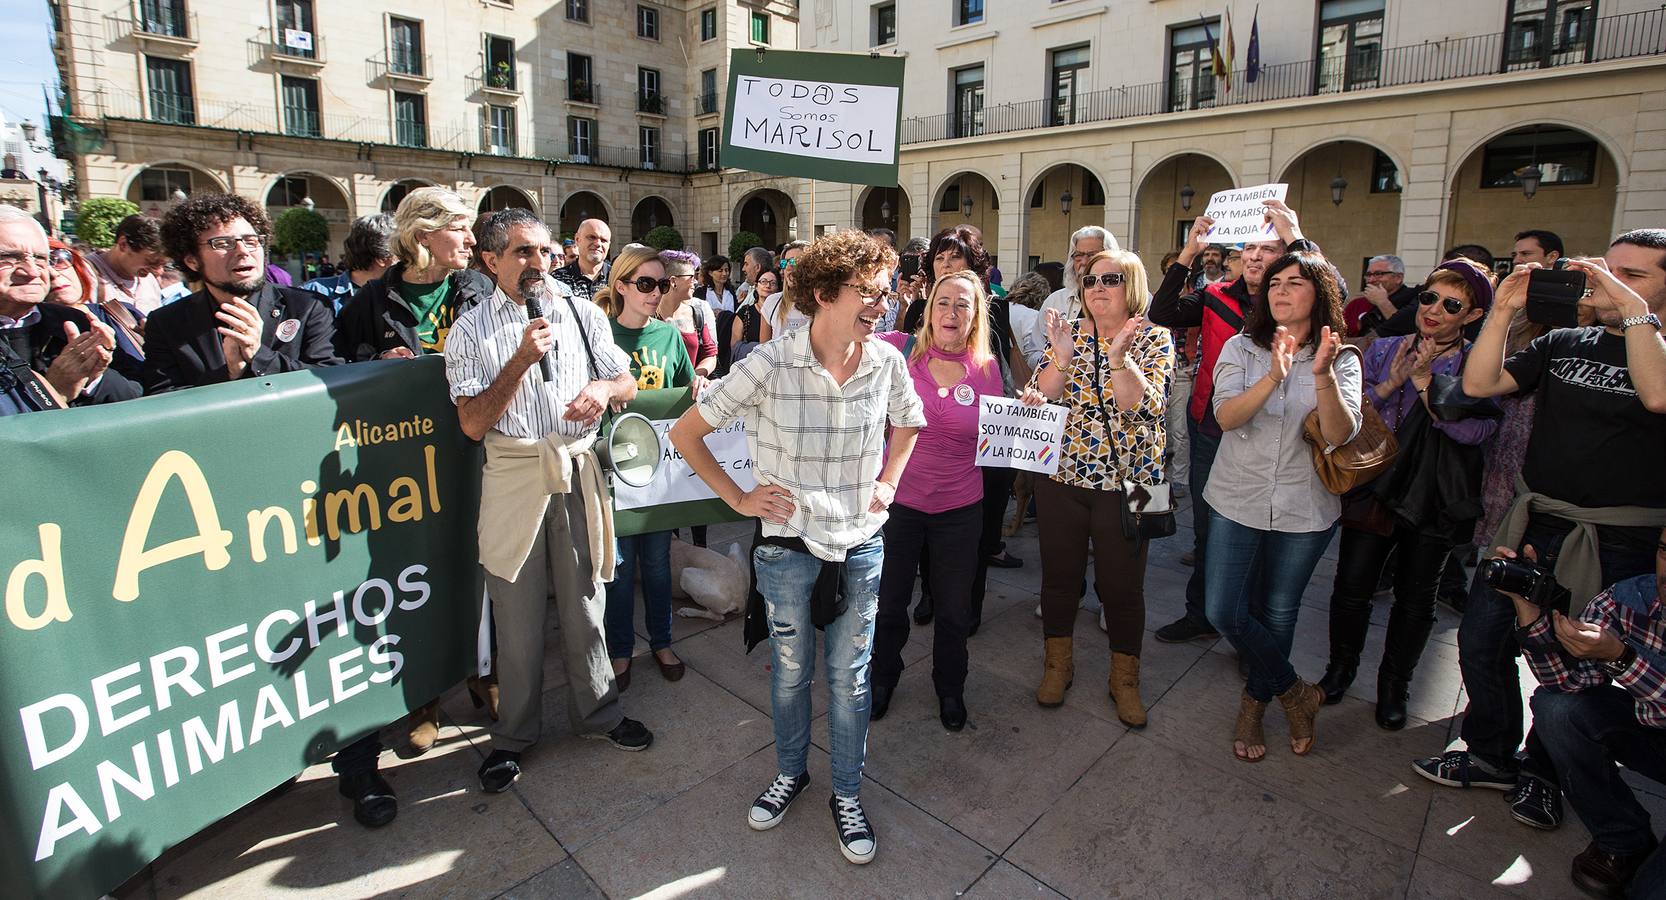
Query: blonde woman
<point x="938" y="510"/>
<point x="658" y="359"/>
<point x="1112" y="369"/>
<point x="409" y="310"/>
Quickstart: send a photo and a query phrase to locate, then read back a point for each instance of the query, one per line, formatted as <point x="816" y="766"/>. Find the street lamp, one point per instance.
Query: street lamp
<point x="884" y="210"/>
<point x="1186" y="195"/>
<point x="1337" y="186"/>
<point x="765" y="217"/>
<point x="1530" y="178"/>
<point x="966" y="206"/>
<point x="1064" y="201"/>
<point x="29" y="130"/>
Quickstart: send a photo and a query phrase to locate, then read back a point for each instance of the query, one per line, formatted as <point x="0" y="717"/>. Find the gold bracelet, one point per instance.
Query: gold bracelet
<point x="1119" y="368"/>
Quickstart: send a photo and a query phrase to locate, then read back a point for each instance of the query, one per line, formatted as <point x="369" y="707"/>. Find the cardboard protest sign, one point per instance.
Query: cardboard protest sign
<point x="677" y="497"/>
<point x="1239" y="216"/>
<point x="830" y="116"/>
<point x="1014" y="436"/>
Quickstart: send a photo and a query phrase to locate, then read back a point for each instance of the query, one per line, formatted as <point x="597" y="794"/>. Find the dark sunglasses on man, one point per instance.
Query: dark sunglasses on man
<point x="1430" y="298"/>
<point x="648" y="285"/>
<point x="1109" y="279"/>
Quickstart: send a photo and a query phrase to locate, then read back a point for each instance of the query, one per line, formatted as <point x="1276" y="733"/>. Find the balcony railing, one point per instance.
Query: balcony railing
<point x="582" y="91"/>
<point x="650" y="103"/>
<point x="708" y="103"/>
<point x="160" y="29"/>
<point x="631" y="158"/>
<point x="1611" y="38"/>
<point x="401" y="66"/>
<point x="303" y="49"/>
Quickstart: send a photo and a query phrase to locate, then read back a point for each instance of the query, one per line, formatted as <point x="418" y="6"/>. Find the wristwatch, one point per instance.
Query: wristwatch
<point x="1645" y="319"/>
<point x="1618" y="666"/>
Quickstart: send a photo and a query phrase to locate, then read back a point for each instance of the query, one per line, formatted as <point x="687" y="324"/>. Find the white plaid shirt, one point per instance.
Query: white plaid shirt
<point x="822" y="442"/>
<point x="483" y="339"/>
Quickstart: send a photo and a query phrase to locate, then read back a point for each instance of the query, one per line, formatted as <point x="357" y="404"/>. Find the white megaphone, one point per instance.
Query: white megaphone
<point x="629" y="449"/>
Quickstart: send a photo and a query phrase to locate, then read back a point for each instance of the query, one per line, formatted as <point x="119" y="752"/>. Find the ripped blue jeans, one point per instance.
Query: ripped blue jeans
<point x="785" y="578"/>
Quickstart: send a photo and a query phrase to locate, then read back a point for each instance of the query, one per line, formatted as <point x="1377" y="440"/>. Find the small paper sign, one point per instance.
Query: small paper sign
<point x="1240" y="217"/>
<point x="1014" y="436"/>
<point x="295" y="39"/>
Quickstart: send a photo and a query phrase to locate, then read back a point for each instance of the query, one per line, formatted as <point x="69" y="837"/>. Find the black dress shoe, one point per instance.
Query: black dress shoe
<point x="374" y="804"/>
<point x="629" y="734"/>
<point x="1338" y="676"/>
<point x="952" y="712"/>
<point x="881" y="702"/>
<point x="1602" y="874"/>
<point x="1006" y="561"/>
<point x="923" y="610"/>
<point x="499" y="771"/>
<point x="1391" y="702"/>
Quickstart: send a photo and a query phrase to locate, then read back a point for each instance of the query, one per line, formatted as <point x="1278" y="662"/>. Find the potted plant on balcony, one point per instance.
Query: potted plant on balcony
<point x="580" y="90"/>
<point x="501" y="74"/>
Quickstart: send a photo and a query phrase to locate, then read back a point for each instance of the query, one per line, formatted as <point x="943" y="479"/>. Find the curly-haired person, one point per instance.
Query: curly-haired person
<point x="238" y="325"/>
<point x="816" y="404"/>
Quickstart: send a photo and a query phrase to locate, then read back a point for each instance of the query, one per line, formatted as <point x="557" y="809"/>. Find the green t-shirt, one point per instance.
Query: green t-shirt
<point x="431" y="303"/>
<point x="659" y="357"/>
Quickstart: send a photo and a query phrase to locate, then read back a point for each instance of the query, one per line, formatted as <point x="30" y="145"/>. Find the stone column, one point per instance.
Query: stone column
<point x="1423" y="192"/>
<point x="1640" y="201"/>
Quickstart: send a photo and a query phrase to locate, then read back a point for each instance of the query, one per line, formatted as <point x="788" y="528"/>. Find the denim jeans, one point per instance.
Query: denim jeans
<point x="1588" y="736"/>
<point x="1202" y="447"/>
<point x="653" y="552"/>
<point x="1286" y="561"/>
<point x="1487" y="651"/>
<point x="786" y="579"/>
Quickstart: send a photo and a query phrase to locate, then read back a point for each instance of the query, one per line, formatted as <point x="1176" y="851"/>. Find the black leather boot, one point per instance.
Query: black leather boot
<point x="1348" y="623"/>
<point x="1391" y="701"/>
<point x="1407" y="636"/>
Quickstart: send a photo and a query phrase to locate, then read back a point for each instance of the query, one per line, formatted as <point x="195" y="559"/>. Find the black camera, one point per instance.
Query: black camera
<point x="1519" y="576"/>
<point x="910" y="266"/>
<point x="1553" y="295"/>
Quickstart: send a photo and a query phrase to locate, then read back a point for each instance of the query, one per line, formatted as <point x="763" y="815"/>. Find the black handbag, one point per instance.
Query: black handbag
<point x="1449" y="403"/>
<point x="1147" y="511"/>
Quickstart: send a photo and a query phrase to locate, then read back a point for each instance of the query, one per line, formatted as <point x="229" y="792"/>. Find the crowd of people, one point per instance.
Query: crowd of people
<point x="1528" y="443"/>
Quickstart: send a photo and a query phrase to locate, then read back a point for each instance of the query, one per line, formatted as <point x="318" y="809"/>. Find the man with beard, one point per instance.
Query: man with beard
<point x="238" y="325"/>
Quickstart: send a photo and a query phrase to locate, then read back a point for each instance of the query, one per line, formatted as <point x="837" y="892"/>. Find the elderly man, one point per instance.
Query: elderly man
<point x="127" y="270"/>
<point x="1385" y="294"/>
<point x="238" y="325"/>
<point x="1084" y="243"/>
<point x="587" y="273"/>
<point x="1220" y="309"/>
<point x="51" y="356"/>
<point x="546" y="522"/>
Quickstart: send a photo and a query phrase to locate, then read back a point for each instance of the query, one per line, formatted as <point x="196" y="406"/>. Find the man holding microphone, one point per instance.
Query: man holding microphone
<point x="531" y="373"/>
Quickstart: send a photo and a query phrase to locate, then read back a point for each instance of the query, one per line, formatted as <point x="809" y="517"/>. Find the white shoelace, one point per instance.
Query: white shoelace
<point x="851" y="818"/>
<point x="779" y="791"/>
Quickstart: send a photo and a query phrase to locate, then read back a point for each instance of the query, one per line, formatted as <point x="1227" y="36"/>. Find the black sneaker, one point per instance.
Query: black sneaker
<point x="1185" y="629"/>
<point x="629" y="734"/>
<point x="772" y="804"/>
<point x="1454" y="769"/>
<point x="856" y="837"/>
<point x="1536" y="803"/>
<point x="500" y="770"/>
<point x="374" y="804"/>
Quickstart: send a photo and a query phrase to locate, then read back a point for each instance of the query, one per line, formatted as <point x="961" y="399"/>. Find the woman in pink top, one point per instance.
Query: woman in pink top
<point x="939" y="498"/>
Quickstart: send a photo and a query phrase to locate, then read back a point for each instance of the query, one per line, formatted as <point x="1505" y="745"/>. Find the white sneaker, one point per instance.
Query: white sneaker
<point x="856" y="837"/>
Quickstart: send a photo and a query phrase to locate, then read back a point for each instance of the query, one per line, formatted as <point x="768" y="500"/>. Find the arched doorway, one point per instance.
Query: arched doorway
<point x="580" y="206"/>
<point x="650" y="213"/>
<point x="887" y="207"/>
<point x="505" y="197"/>
<point x="157" y="187"/>
<point x="1173" y="194"/>
<point x="396" y="193"/>
<point x="969" y="199"/>
<point x="769" y="214"/>
<point x="1574" y="197"/>
<point x="1348" y="191"/>
<point x="1066" y="197"/>
<point x="318" y="193"/>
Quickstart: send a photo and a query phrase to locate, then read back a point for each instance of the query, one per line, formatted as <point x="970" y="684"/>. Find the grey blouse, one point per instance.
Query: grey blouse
<point x="1263" y="476"/>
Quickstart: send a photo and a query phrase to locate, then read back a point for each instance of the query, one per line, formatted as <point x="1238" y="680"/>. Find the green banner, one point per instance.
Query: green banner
<point x="678" y="498"/>
<point x="208" y="590"/>
<point x="828" y="116"/>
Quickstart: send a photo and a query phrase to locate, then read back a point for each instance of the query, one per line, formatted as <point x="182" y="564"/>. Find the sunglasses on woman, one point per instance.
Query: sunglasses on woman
<point x="648" y="285"/>
<point x="1109" y="280"/>
<point x="59" y="259"/>
<point x="1430" y="298"/>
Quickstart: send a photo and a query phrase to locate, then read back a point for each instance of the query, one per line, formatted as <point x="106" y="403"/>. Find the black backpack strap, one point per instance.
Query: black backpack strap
<point x="1226" y="313"/>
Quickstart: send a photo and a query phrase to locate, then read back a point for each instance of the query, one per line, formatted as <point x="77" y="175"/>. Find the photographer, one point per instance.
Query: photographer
<point x="1601" y="389"/>
<point x="1602" y="704"/>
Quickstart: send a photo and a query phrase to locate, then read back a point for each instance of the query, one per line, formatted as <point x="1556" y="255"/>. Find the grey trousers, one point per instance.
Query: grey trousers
<point x="559" y="567"/>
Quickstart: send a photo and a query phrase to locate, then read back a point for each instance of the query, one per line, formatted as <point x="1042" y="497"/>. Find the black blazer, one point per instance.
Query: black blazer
<point x="182" y="347"/>
<point x="39" y="344"/>
<point x="377" y="319"/>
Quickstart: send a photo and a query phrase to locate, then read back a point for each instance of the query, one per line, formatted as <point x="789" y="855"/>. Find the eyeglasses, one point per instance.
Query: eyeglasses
<point x="60" y="258"/>
<point x="11" y="259"/>
<point x="1370" y="274"/>
<point x="1430" y="298"/>
<point x="871" y="296"/>
<point x="224" y="243"/>
<point x="1109" y="280"/>
<point x="649" y="285"/>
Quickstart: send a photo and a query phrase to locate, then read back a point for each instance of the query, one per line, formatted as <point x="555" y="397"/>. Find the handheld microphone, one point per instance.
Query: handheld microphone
<point x="532" y="291"/>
